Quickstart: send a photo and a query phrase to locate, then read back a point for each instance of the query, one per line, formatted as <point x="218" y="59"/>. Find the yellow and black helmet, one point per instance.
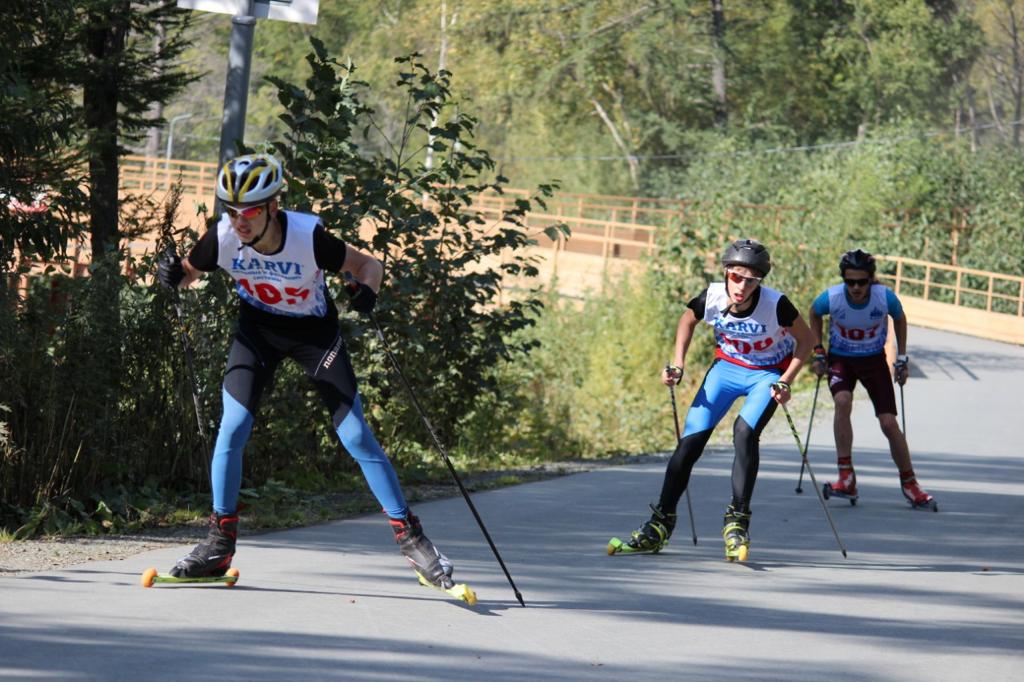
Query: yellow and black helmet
<point x="250" y="179"/>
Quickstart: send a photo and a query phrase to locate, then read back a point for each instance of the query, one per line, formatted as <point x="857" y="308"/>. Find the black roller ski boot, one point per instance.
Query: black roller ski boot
<point x="649" y="538"/>
<point x="433" y="568"/>
<point x="212" y="557"/>
<point x="428" y="563"/>
<point x="736" y="533"/>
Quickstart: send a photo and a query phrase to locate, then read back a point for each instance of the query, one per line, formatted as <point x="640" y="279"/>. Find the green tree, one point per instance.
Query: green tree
<point x="603" y="94"/>
<point x="1000" y="75"/>
<point x="444" y="261"/>
<point x="900" y="59"/>
<point x="79" y="78"/>
<point x="39" y="163"/>
<point x="120" y="75"/>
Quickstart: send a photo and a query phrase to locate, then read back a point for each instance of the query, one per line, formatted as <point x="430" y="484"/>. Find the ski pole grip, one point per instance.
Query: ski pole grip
<point x="351" y="284"/>
<point x="674" y="372"/>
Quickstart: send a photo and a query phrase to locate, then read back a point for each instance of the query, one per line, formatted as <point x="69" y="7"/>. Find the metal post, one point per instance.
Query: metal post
<point x="236" y="89"/>
<point x="170" y="145"/>
<point x="170" y="135"/>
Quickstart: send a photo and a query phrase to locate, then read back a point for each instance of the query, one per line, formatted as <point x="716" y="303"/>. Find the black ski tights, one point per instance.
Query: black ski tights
<point x="677" y="475"/>
<point x="744" y="465"/>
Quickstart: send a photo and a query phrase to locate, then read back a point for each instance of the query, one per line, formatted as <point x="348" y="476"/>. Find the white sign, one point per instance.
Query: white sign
<point x="297" y="11"/>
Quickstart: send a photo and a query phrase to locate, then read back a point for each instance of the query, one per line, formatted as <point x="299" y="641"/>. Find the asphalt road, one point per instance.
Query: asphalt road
<point x="921" y="596"/>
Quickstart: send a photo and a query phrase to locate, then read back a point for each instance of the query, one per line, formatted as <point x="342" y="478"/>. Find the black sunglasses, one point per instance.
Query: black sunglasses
<point x="857" y="282"/>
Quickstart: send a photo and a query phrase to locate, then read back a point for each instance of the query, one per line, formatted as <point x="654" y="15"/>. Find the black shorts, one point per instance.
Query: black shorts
<point x="258" y="349"/>
<point x="844" y="371"/>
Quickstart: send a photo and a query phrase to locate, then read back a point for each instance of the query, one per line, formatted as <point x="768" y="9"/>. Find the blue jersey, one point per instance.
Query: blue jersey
<point x="857" y="330"/>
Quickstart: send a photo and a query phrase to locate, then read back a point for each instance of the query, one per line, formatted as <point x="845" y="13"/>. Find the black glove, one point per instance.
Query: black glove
<point x="901" y="369"/>
<point x="169" y="271"/>
<point x="361" y="297"/>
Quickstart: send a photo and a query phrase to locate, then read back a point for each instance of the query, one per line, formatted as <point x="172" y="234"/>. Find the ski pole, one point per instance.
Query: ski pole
<point x="814" y="482"/>
<point x="441" y="449"/>
<point x="814" y="406"/>
<point x="675" y="417"/>
<point x="190" y="363"/>
<point x="903" y="412"/>
<point x="896" y="379"/>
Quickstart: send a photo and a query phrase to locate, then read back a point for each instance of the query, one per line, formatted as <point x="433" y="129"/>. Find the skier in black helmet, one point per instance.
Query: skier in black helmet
<point x="278" y="259"/>
<point x="761" y="343"/>
<point x="858" y="311"/>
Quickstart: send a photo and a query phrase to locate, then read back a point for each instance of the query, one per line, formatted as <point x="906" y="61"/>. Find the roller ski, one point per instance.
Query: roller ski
<point x="917" y="496"/>
<point x="846" y="487"/>
<point x="151" y="577"/>
<point x="432" y="568"/>
<point x="649" y="538"/>
<point x="736" y="533"/>
<point x="209" y="562"/>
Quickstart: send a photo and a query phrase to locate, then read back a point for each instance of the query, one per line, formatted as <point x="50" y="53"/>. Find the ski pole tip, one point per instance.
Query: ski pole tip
<point x="520" y="598"/>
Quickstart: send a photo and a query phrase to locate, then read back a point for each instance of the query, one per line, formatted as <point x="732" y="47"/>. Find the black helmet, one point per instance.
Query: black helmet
<point x="857" y="260"/>
<point x="749" y="253"/>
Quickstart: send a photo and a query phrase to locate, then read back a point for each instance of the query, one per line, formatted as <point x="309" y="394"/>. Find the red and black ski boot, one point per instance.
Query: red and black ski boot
<point x="212" y="557"/>
<point x="429" y="564"/>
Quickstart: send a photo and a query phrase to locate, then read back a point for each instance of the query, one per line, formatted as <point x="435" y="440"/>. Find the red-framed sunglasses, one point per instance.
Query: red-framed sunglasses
<point x="740" y="279"/>
<point x="247" y="212"/>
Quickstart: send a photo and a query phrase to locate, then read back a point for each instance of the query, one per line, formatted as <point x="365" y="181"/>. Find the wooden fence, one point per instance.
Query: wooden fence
<point x="953" y="298"/>
<point x="144" y="174"/>
<point x="651" y="210"/>
<point x="613" y="235"/>
<point x="154" y="175"/>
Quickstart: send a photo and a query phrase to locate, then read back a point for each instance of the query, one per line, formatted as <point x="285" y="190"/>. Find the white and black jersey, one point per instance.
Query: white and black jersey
<point x="281" y="289"/>
<point x="758" y="338"/>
